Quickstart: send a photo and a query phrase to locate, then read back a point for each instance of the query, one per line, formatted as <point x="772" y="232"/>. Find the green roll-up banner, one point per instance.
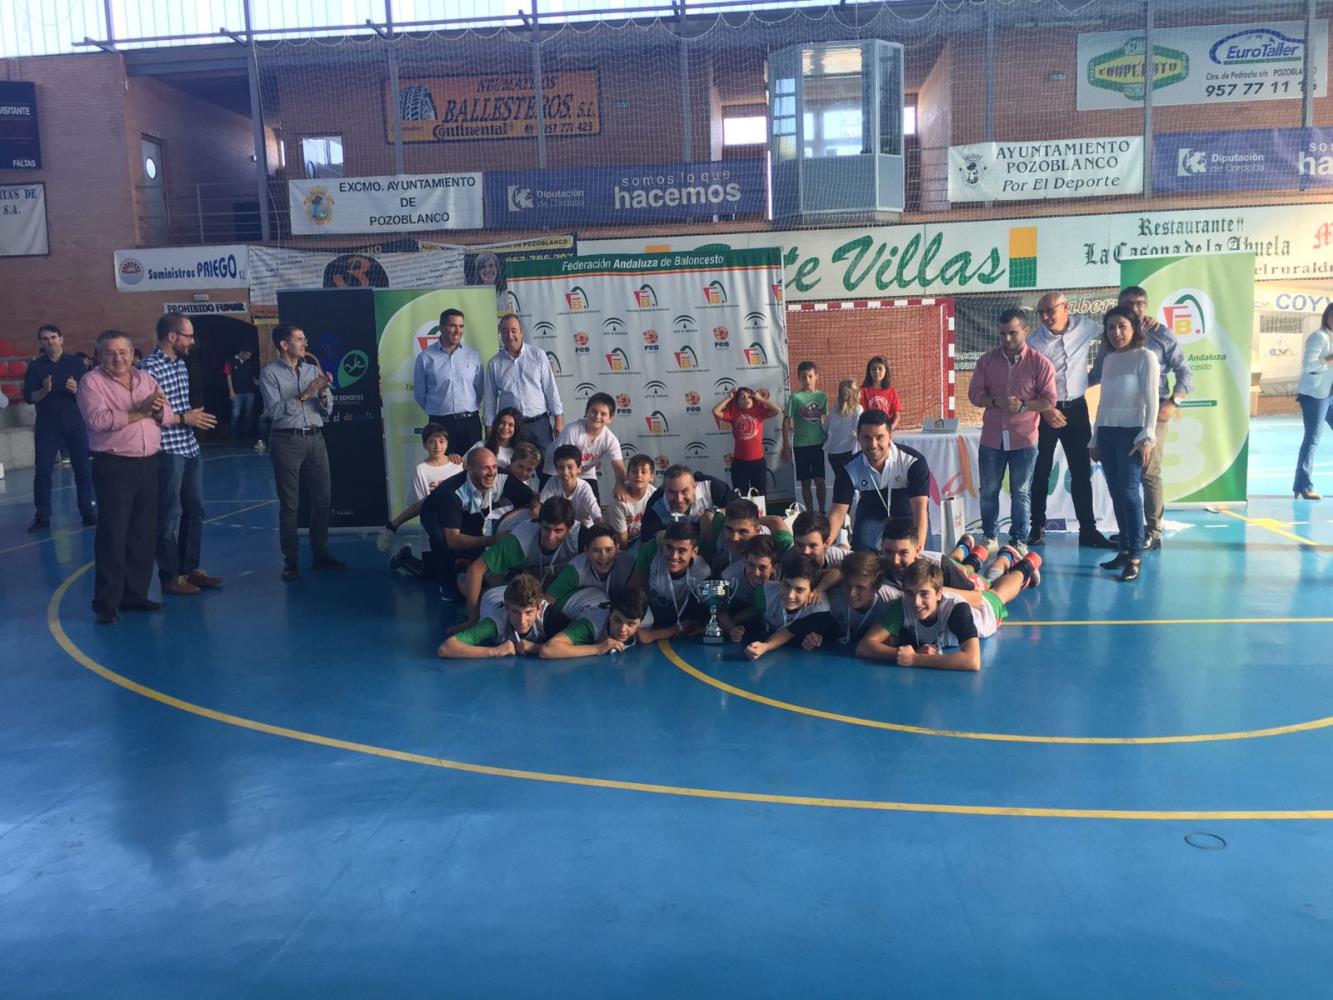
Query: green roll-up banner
<point x="1207" y="301"/>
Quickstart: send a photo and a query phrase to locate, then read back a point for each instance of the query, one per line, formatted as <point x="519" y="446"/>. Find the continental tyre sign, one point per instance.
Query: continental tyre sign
<point x="495" y="106"/>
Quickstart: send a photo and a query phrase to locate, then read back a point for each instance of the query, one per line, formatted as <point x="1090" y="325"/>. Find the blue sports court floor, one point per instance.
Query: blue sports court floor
<point x="275" y="791"/>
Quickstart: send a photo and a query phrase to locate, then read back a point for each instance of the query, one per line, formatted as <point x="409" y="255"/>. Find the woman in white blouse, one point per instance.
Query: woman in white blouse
<point x="1313" y="395"/>
<point x="1123" y="436"/>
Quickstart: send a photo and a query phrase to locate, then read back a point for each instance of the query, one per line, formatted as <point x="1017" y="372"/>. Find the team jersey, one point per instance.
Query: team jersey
<point x="714" y="548"/>
<point x="888" y="492"/>
<point x="427" y="477"/>
<point x="954" y="623"/>
<point x="747" y="430"/>
<point x="671" y="598"/>
<point x="586" y="509"/>
<point x="743" y="595"/>
<point x="807" y="411"/>
<point x="627" y="515"/>
<point x="709" y="494"/>
<point x="588" y="625"/>
<point x="521" y="549"/>
<point x="461" y="505"/>
<point x="579" y="573"/>
<point x="493" y="626"/>
<point x="851" y="623"/>
<point x="874" y="398"/>
<point x="592" y="449"/>
<point x="772" y="611"/>
<point x="956" y="575"/>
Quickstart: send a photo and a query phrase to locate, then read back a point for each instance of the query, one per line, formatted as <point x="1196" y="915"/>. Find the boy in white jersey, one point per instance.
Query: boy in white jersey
<point x="514" y="620"/>
<point x="609" y="624"/>
<point x="428" y="474"/>
<point x="568" y="484"/>
<point x="592" y="439"/>
<point x="859" y="603"/>
<point x="600" y="565"/>
<point x="785" y="609"/>
<point x="625" y="512"/>
<point x="928" y="627"/>
<point x="671" y="569"/>
<point x="749" y="573"/>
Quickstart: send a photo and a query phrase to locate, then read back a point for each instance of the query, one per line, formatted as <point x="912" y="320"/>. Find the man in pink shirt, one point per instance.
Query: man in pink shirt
<point x="1013" y="384"/>
<point x="124" y="410"/>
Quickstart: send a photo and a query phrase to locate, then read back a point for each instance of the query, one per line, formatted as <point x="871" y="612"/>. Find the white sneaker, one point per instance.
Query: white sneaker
<point x="1020" y="547"/>
<point x="259" y="447"/>
<point x="992" y="545"/>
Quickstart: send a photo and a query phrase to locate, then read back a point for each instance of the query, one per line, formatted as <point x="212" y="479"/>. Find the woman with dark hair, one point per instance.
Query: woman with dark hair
<point x="1313" y="395"/>
<point x="877" y="391"/>
<point x="506" y="434"/>
<point x="1124" y="433"/>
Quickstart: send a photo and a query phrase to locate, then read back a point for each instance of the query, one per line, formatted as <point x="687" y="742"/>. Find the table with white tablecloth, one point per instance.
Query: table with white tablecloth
<point x="952" y="458"/>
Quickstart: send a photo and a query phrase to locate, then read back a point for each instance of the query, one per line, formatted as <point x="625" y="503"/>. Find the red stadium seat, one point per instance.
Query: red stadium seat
<point x="12" y="391"/>
<point x="6" y="349"/>
<point x="17" y="368"/>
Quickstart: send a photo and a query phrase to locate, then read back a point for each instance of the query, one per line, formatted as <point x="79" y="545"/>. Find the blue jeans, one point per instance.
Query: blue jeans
<point x="180" y="514"/>
<point x="73" y="441"/>
<point x="1316" y="413"/>
<point x="992" y="463"/>
<point x="1124" y="481"/>
<point x="866" y="533"/>
<point x="242" y="407"/>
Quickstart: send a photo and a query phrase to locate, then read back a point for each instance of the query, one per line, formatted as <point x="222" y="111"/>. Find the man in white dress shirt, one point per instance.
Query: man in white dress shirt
<point x="520" y="376"/>
<point x="1065" y="340"/>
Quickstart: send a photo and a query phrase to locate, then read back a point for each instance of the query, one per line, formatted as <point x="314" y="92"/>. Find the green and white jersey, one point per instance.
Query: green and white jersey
<point x="851" y="623"/>
<point x="521" y="549"/>
<point x="669" y="596"/>
<point x="773" y="612"/>
<point x="955" y="621"/>
<point x="493" y="627"/>
<point x="579" y="573"/>
<point x="589" y="620"/>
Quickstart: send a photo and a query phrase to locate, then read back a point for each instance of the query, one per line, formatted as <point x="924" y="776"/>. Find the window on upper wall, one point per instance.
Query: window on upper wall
<point x="745" y="130"/>
<point x="322" y="155"/>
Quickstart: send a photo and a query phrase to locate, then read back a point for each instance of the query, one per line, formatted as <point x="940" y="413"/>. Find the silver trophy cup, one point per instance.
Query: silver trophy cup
<point x="714" y="594"/>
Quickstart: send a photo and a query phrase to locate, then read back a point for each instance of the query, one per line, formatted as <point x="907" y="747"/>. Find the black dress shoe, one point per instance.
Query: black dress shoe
<point x="1130" y="572"/>
<point x="108" y="618"/>
<point x="39" y="524"/>
<point x="142" y="606"/>
<point x="327" y="564"/>
<point x="1094" y="540"/>
<point x="1119" y="562"/>
<point x="1153" y="542"/>
<point x="290" y="572"/>
<point x="1036" y="536"/>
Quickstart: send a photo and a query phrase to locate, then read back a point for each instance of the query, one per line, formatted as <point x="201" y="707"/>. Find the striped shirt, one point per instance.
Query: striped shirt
<point x="174" y="378"/>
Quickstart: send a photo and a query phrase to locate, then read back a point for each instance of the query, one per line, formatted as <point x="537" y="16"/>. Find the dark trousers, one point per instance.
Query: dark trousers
<point x="463" y="431"/>
<point x="180" y="514"/>
<point x="74" y="442"/>
<point x="127" y="490"/>
<point x="1124" y="479"/>
<point x="747" y="474"/>
<point x="301" y="462"/>
<point x="1074" y="438"/>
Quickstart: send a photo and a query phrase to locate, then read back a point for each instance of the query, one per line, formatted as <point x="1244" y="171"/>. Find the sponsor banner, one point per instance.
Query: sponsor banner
<point x="238" y="309"/>
<point x="340" y="330"/>
<point x="1207" y="301"/>
<point x="1284" y="315"/>
<point x="272" y="270"/>
<point x="408" y="322"/>
<point x="1063" y="168"/>
<point x="485" y="263"/>
<point x="171" y="269"/>
<point x="673" y="192"/>
<point x="1205" y="64"/>
<point x="1243" y="160"/>
<point x="668" y="335"/>
<point x="495" y="106"/>
<point x="20" y="141"/>
<point x="1292" y="242"/>
<point x="23" y="220"/>
<point x="390" y="204"/>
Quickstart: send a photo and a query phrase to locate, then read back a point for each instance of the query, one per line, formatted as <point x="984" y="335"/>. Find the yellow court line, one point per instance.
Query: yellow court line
<point x="962" y="734"/>
<point x="872" y="805"/>
<point x="1258" y="523"/>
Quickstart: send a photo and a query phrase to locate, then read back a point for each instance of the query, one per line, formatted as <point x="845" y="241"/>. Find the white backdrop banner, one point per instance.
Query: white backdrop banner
<point x="667" y="335"/>
<point x="393" y="204"/>
<point x="272" y="270"/>
<point x="998" y="255"/>
<point x="1065" y="168"/>
<point x="23" y="220"/>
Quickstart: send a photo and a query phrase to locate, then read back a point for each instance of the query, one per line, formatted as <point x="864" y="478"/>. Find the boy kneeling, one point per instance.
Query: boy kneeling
<point x="514" y="621"/>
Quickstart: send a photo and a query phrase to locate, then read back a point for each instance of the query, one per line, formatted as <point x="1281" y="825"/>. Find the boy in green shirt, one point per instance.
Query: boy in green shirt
<point x="513" y="621"/>
<point x="543" y="545"/>
<point x="609" y="625"/>
<point x="601" y="565"/>
<point x="803" y="433"/>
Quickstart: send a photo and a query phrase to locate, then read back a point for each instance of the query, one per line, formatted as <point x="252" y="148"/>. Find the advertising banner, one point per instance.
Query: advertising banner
<point x="668" y="335"/>
<point x="977" y="318"/>
<point x="1284" y="315"/>
<point x="1204" y="64"/>
<point x="1289" y="242"/>
<point x="1207" y="301"/>
<point x="23" y="221"/>
<point x="1273" y="159"/>
<point x="172" y="269"/>
<point x="20" y="141"/>
<point x="407" y="322"/>
<point x="494" y="106"/>
<point x="273" y="270"/>
<point x="1067" y="168"/>
<point x="340" y="330"/>
<point x="673" y="192"/>
<point x="405" y="203"/>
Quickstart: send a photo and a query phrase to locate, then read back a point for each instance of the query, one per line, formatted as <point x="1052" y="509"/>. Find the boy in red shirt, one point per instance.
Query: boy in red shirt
<point x="745" y="412"/>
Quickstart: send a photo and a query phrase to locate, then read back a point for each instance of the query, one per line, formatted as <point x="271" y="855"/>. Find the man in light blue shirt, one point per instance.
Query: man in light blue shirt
<point x="1066" y="341"/>
<point x="520" y="376"/>
<point x="447" y="384"/>
<point x="1164" y="344"/>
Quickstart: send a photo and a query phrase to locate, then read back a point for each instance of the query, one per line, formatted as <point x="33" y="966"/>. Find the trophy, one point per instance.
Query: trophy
<point x="713" y="593"/>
